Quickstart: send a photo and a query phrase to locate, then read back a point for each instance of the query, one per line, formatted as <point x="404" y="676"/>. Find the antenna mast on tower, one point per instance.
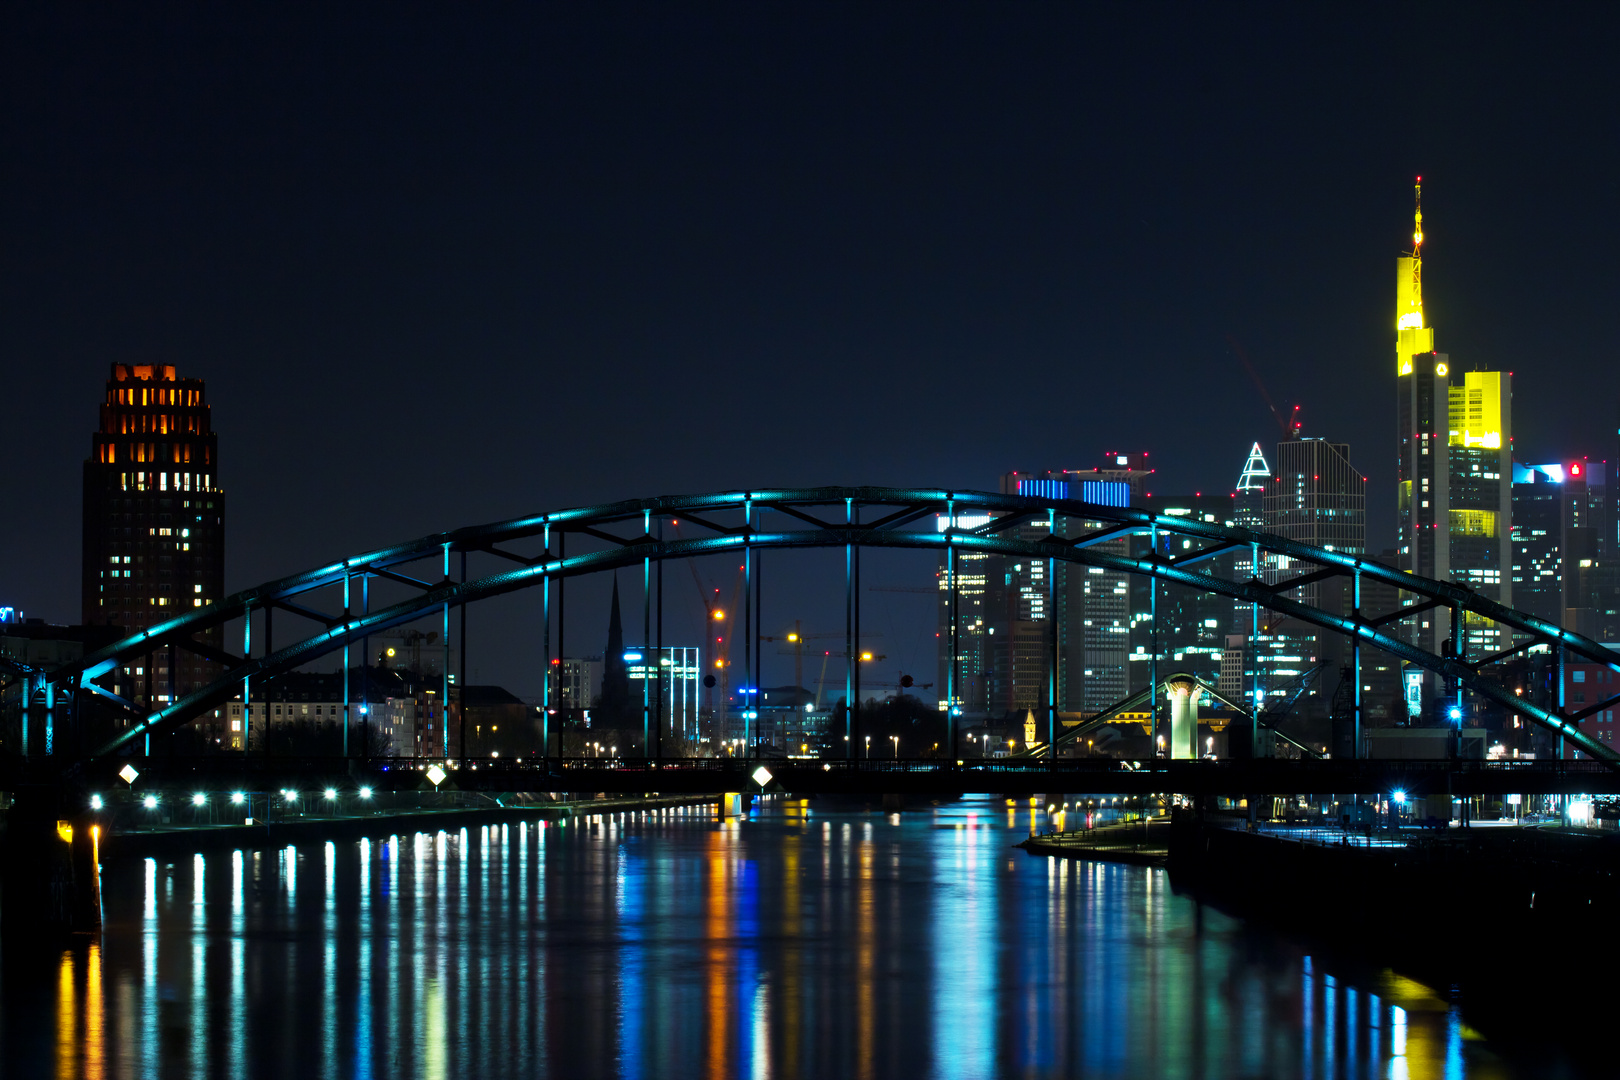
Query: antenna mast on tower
<point x="1417" y="247"/>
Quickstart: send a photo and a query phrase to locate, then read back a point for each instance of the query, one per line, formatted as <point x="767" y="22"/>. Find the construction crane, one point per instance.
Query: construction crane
<point x="796" y="638"/>
<point x="1290" y="427"/>
<point x="906" y="682"/>
<point x="712" y="615"/>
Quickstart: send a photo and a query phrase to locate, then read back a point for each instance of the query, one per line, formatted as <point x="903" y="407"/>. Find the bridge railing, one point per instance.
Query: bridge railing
<point x="1303" y="769"/>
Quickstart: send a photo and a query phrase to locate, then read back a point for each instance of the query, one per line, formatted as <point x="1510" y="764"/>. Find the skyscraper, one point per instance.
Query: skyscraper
<point x="154" y="536"/>
<point x="1454" y="437"/>
<point x="1563" y="546"/>
<point x="1316" y="497"/>
<point x="1009" y="608"/>
<point x="1188" y="626"/>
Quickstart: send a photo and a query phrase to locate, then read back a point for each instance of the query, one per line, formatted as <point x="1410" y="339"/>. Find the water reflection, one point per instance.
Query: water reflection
<point x="801" y="942"/>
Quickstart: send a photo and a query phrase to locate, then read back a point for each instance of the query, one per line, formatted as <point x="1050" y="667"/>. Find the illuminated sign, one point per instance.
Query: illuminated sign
<point x="1105" y="492"/>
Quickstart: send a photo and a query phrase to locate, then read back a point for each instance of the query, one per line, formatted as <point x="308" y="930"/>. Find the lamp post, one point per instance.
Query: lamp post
<point x="896" y="740"/>
<point x="869" y="747"/>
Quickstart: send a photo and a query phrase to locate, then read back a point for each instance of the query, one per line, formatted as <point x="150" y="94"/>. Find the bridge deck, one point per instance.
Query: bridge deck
<point x="809" y="777"/>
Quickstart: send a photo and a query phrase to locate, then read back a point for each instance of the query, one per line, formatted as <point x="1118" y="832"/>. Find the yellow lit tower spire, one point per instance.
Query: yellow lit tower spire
<point x="1411" y="336"/>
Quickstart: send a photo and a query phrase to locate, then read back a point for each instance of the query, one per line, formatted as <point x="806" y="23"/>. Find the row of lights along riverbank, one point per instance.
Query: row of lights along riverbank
<point x="238" y="798"/>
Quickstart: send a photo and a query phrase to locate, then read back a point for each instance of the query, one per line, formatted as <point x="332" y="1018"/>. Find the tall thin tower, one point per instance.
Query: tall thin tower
<point x="1454" y="442"/>
<point x="1422" y="381"/>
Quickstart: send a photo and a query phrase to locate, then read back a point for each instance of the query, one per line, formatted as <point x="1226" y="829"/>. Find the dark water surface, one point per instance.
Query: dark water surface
<point x="802" y="942"/>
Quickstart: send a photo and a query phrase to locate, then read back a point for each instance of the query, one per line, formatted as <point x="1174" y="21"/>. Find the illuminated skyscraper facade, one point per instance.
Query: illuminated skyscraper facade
<point x="1008" y="609"/>
<point x="1454" y="441"/>
<point x="1191" y="624"/>
<point x="154" y="536"/>
<point x="1564" y="566"/>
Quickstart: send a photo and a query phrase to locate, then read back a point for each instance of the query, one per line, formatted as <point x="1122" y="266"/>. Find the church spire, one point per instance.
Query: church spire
<point x="614" y="706"/>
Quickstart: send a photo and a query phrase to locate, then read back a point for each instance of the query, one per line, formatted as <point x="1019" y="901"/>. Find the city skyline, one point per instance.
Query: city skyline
<point x="808" y="540"/>
<point x="492" y="332"/>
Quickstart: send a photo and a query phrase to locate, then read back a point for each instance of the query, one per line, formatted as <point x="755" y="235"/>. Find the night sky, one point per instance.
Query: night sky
<point x="440" y="268"/>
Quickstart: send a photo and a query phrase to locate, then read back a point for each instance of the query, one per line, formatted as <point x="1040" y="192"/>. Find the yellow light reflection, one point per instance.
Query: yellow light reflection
<point x="865" y="961"/>
<point x="94" y="1016"/>
<point x="66" y="1020"/>
<point x="718" y="931"/>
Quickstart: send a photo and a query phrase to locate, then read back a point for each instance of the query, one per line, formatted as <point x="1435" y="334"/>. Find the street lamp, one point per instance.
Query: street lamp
<point x="896" y="740"/>
<point x="869" y="747"/>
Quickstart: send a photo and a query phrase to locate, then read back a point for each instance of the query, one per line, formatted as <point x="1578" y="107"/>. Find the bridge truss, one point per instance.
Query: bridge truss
<point x="534" y="554"/>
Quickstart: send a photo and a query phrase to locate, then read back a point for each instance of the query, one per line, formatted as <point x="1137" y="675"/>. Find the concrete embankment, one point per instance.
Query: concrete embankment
<point x="187" y="839"/>
<point x="1135" y="844"/>
<point x="1514" y="921"/>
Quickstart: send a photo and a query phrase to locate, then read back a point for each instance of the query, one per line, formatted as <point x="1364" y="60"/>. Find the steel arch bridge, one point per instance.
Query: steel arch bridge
<point x="632" y="532"/>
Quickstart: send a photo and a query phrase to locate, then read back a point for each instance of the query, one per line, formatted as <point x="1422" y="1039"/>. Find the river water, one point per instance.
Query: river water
<point x="804" y="941"/>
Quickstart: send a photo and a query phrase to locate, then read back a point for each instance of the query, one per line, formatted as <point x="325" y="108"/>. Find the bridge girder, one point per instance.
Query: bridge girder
<point x="905" y="505"/>
<point x="1077" y="776"/>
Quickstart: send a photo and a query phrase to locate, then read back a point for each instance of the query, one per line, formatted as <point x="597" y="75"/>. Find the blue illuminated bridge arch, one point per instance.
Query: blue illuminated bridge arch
<point x="637" y="532"/>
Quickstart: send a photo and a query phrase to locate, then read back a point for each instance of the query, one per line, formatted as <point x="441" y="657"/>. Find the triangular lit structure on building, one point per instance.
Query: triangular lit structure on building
<point x="1256" y="473"/>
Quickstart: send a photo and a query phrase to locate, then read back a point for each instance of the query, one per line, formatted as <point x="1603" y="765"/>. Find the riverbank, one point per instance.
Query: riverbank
<point x="1133" y="843"/>
<point x="1514" y="921"/>
<point x="169" y="840"/>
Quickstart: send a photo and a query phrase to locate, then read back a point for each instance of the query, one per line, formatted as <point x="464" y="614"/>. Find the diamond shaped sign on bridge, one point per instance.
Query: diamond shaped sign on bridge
<point x="128" y="774"/>
<point x="762" y="776"/>
<point x="435" y="774"/>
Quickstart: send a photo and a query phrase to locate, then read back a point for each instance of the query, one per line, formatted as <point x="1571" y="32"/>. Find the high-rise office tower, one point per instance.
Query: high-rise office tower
<point x="1249" y="512"/>
<point x="969" y="649"/>
<point x="1454" y="435"/>
<point x="154" y="536"/>
<point x="1009" y="609"/>
<point x="1564" y="546"/>
<point x="1098" y="601"/>
<point x="1187" y="626"/>
<point x="1316" y="497"/>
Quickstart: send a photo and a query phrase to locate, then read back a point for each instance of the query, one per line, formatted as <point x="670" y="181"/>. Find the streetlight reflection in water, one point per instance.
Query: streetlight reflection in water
<point x="805" y="939"/>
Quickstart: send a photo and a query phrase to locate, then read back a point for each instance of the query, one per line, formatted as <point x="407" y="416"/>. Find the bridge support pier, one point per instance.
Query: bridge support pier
<point x="1183" y="718"/>
<point x="50" y="878"/>
<point x="731" y="805"/>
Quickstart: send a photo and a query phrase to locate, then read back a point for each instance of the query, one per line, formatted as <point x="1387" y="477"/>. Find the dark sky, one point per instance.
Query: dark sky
<point x="441" y="267"/>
